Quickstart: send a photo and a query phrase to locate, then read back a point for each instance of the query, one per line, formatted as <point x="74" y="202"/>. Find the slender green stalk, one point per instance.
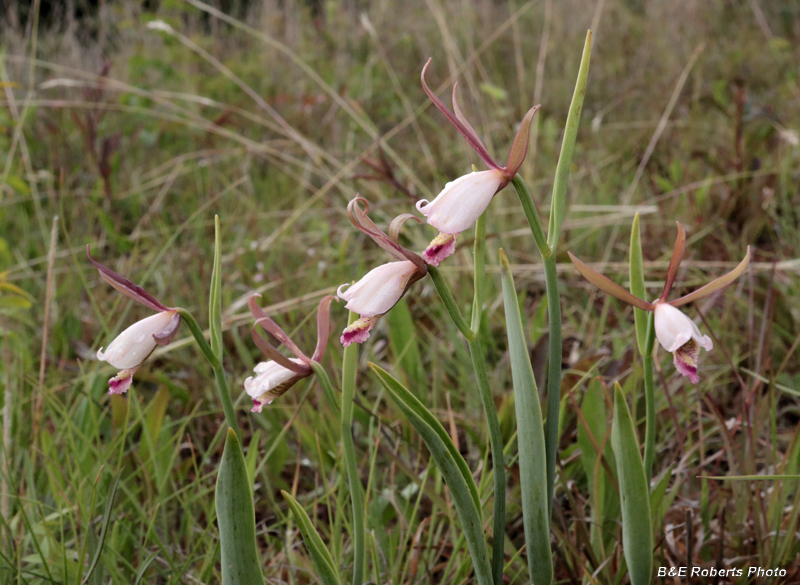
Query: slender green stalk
<point x="487" y="400"/>
<point x="553" y="373"/>
<point x="450" y="303"/>
<point x="356" y="490"/>
<point x="480" y="273"/>
<point x="199" y="337"/>
<point x="227" y="403"/>
<point x="526" y="199"/>
<point x="216" y="365"/>
<point x="498" y="461"/>
<point x="650" y="401"/>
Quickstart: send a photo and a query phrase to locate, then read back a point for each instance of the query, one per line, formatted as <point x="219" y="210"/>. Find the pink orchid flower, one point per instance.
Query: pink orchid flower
<point x="134" y="345"/>
<point x="463" y="201"/>
<point x="380" y="290"/>
<point x="675" y="331"/>
<point x="274" y="377"/>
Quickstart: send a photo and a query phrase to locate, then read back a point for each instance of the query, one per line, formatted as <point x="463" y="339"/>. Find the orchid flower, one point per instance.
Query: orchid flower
<point x="675" y="331"/>
<point x="380" y="290"/>
<point x="464" y="200"/>
<point x="134" y="345"/>
<point x="274" y="377"/>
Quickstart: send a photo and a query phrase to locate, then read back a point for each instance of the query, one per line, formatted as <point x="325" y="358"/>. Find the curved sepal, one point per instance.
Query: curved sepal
<point x="519" y="148"/>
<point x="127" y="287"/>
<point x="608" y="286"/>
<point x="714" y="285"/>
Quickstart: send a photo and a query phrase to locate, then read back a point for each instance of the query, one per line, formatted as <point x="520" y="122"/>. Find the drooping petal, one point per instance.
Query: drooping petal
<point x="673" y="328"/>
<point x="607" y="285"/>
<point x="462" y="202"/>
<point x="137" y="342"/>
<point x="358" y="331"/>
<point x="120" y="383"/>
<point x="323" y="327"/>
<point x="714" y="285"/>
<point x="380" y="289"/>
<point x="360" y="219"/>
<point x="441" y="247"/>
<point x="272" y="327"/>
<point x="270" y="382"/>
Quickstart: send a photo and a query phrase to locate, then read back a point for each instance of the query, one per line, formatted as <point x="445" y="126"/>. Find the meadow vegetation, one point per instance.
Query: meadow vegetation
<point x="274" y="115"/>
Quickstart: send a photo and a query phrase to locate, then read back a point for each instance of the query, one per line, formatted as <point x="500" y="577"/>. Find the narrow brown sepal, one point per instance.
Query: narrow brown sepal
<point x="519" y="148"/>
<point x="714" y="285"/>
<point x="608" y="286"/>
<point x="675" y="261"/>
<point x="127" y="287"/>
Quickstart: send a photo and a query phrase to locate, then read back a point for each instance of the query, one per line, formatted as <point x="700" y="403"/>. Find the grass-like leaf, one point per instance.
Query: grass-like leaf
<point x="320" y="556"/>
<point x="452" y="466"/>
<point x="637" y="282"/>
<point x="637" y="535"/>
<point x="530" y="439"/>
<point x="241" y="563"/>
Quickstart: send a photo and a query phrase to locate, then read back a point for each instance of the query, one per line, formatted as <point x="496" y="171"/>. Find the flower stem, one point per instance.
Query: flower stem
<point x="356" y="494"/>
<point x="450" y="303"/>
<point x="553" y="373"/>
<point x="216" y="365"/>
<point x="555" y="341"/>
<point x="649" y="397"/>
<point x="532" y="215"/>
<point x="487" y="400"/>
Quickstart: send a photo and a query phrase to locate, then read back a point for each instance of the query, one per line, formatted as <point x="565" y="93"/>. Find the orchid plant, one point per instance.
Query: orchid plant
<point x="674" y="330"/>
<point x="461" y="204"/>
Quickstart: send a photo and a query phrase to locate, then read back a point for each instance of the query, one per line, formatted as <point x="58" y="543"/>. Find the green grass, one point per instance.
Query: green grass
<point x="184" y="141"/>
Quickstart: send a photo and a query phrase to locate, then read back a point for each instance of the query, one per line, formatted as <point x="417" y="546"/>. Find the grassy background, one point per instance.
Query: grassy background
<point x="274" y="119"/>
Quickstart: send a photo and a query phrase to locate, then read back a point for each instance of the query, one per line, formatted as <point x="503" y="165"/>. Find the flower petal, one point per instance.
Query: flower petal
<point x="441" y="247"/>
<point x="120" y="383"/>
<point x="137" y="342"/>
<point x="358" y="331"/>
<point x="462" y="202"/>
<point x="673" y="328"/>
<point x="685" y="360"/>
<point x="270" y="382"/>
<point x="675" y="261"/>
<point x="380" y="289"/>
<point x="126" y="287"/>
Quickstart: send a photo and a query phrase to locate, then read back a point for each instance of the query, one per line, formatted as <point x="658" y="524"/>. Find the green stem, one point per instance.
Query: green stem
<point x="532" y="215"/>
<point x="227" y="403"/>
<point x="650" y="401"/>
<point x="498" y="461"/>
<point x="199" y="337"/>
<point x="216" y="365"/>
<point x="478" y="356"/>
<point x="450" y="303"/>
<point x="356" y="493"/>
<point x="553" y="373"/>
<point x="480" y="273"/>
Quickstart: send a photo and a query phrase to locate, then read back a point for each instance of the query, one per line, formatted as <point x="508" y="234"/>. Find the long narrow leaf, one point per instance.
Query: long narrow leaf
<point x="530" y="439"/>
<point x="637" y="535"/>
<point x="215" y="295"/>
<point x="452" y="466"/>
<point x="322" y="559"/>
<point x="241" y="563"/>
<point x="637" y="282"/>
<point x="559" y="200"/>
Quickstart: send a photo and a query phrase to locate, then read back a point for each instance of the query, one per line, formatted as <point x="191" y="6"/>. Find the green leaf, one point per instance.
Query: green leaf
<point x="241" y="563"/>
<point x="530" y="439"/>
<point x="322" y="559"/>
<point x="145" y="565"/>
<point x="452" y="466"/>
<point x="404" y="343"/>
<point x="559" y="199"/>
<point x="637" y="535"/>
<point x="215" y="295"/>
<point x="637" y="283"/>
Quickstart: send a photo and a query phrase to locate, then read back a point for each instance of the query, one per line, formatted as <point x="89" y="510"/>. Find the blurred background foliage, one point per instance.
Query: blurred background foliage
<point x="273" y="114"/>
